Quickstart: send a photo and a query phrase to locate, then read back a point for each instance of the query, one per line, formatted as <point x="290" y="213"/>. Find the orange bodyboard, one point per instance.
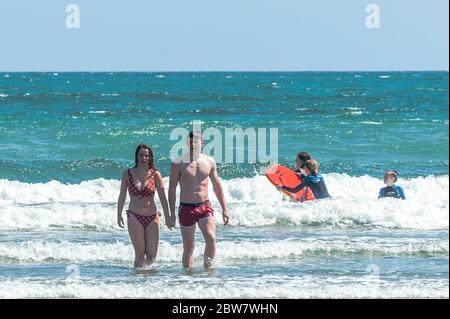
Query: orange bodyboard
<point x="282" y="175"/>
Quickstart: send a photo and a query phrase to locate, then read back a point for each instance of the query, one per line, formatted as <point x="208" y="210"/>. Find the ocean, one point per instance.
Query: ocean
<point x="65" y="139"/>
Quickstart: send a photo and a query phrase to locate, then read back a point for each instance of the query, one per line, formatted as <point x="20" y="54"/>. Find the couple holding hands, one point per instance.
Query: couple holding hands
<point x="192" y="171"/>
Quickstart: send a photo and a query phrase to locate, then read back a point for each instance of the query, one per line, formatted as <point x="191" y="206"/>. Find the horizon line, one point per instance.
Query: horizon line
<point x="218" y="71"/>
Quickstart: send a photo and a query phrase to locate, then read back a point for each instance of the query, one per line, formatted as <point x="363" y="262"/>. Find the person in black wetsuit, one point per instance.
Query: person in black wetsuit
<point x="313" y="180"/>
<point x="300" y="161"/>
<point x="391" y="190"/>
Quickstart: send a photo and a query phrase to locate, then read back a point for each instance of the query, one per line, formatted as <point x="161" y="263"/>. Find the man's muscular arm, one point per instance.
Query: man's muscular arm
<point x="218" y="190"/>
<point x="173" y="183"/>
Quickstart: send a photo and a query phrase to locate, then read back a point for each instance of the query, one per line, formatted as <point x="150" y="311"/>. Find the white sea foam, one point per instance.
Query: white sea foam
<point x="353" y="108"/>
<point x="32" y="251"/>
<point x="97" y="112"/>
<point x="354" y="113"/>
<point x="110" y="94"/>
<point x="253" y="202"/>
<point x="268" y="286"/>
<point x="371" y="123"/>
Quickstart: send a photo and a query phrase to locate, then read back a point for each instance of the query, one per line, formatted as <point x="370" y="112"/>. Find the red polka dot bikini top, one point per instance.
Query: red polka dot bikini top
<point x="146" y="191"/>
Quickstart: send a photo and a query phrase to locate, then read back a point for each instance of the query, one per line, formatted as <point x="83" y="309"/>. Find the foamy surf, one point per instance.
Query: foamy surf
<point x="229" y="251"/>
<point x="253" y="202"/>
<point x="238" y="287"/>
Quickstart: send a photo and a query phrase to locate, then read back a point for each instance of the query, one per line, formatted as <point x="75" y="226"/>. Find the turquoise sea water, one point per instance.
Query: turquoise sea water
<point x="77" y="126"/>
<point x="65" y="138"/>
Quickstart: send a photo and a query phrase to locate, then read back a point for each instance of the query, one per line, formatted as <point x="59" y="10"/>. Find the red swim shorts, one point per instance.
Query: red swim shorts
<point x="190" y="213"/>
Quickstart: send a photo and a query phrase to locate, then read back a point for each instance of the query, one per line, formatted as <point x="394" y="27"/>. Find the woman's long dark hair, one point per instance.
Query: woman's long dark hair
<point x="151" y="165"/>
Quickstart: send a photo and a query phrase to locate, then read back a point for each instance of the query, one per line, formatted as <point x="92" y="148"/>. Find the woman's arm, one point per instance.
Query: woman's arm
<point x="122" y="198"/>
<point x="159" y="183"/>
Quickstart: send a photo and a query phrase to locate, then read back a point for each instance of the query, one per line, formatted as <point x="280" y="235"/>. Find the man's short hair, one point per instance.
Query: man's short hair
<point x="195" y="134"/>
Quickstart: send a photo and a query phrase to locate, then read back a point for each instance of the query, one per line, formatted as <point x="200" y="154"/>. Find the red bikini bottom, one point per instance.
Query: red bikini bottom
<point x="143" y="219"/>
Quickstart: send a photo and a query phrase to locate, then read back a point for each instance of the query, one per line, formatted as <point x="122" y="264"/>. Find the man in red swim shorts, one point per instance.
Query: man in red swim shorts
<point x="192" y="171"/>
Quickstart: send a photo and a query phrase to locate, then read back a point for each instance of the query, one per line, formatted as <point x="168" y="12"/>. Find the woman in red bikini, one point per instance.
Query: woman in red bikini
<point x="142" y="181"/>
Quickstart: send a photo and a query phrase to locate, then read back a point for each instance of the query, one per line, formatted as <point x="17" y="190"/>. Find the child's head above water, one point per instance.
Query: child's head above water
<point x="390" y="177"/>
<point x="312" y="167"/>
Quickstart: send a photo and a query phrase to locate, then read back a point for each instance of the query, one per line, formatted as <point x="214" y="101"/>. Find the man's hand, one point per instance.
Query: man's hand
<point x="225" y="217"/>
<point x="170" y="222"/>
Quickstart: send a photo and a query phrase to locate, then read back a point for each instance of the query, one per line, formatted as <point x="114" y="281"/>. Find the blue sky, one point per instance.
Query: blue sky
<point x="223" y="35"/>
